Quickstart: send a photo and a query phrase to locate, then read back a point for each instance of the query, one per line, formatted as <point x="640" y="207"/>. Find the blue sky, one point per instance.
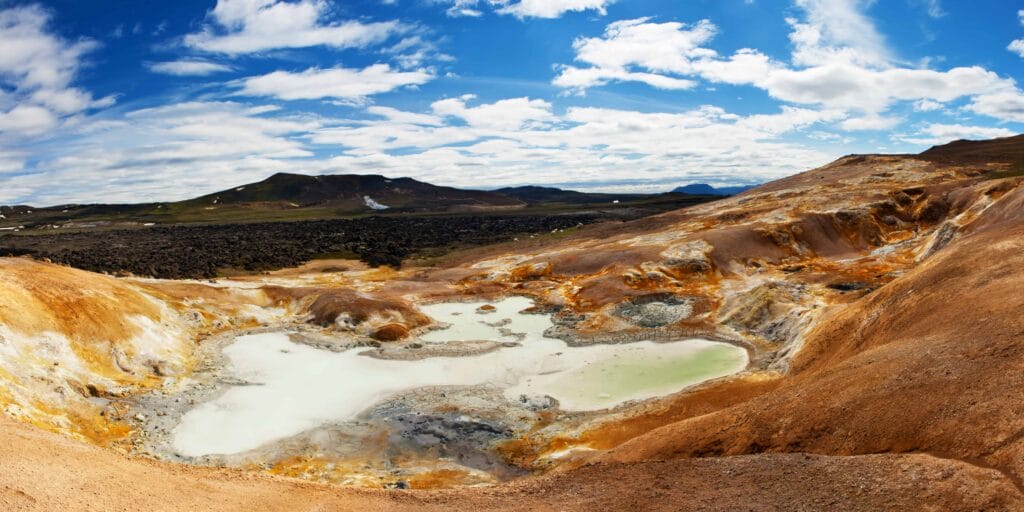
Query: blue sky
<point x="128" y="101"/>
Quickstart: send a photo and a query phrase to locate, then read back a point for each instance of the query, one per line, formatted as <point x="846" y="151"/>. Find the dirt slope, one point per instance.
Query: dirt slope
<point x="925" y="364"/>
<point x="43" y="471"/>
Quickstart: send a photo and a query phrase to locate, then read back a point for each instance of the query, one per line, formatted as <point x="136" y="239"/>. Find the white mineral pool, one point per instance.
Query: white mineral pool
<point x="296" y="387"/>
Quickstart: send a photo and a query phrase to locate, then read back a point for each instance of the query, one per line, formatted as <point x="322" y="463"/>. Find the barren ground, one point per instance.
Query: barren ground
<point x="879" y="297"/>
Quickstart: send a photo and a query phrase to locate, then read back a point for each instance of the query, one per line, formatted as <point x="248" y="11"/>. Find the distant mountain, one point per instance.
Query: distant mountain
<point x="280" y="197"/>
<point x="532" y="194"/>
<point x="703" y="189"/>
<point x="288" y="197"/>
<point x="351" y="192"/>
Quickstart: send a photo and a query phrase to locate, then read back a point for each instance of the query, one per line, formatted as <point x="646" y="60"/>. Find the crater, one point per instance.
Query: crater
<point x="275" y="399"/>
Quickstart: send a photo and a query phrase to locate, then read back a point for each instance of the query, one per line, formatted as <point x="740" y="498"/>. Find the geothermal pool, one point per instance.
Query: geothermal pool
<point x="291" y="388"/>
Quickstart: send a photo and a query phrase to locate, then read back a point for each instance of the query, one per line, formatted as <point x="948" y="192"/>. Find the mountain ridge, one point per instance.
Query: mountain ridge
<point x="706" y="189"/>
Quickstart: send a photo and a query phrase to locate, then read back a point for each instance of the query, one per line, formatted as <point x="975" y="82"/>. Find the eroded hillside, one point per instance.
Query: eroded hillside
<point x="878" y="299"/>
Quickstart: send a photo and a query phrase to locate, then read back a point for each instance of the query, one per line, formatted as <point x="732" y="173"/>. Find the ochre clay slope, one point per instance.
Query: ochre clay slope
<point x="44" y="471"/>
<point x="926" y="364"/>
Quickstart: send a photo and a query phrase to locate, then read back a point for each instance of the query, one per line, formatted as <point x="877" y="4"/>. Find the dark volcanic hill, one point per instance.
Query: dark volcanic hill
<point x="354" y="192"/>
<point x="282" y="196"/>
<point x="295" y="197"/>
<point x="1007" y="150"/>
<point x="532" y="194"/>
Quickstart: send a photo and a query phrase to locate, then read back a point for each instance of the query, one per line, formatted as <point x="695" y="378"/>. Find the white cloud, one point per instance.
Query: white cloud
<point x="553" y="8"/>
<point x="188" y="67"/>
<point x="519" y="140"/>
<point x="170" y="152"/>
<point x="463" y="8"/>
<point x="927" y="106"/>
<point x="525" y="8"/>
<point x="38" y="69"/>
<point x="1007" y="104"/>
<point x="28" y="120"/>
<point x="934" y="8"/>
<point x="839" y="62"/>
<point x="415" y="51"/>
<point x="188" y="149"/>
<point x="346" y="85"/>
<point x="402" y="117"/>
<point x="509" y="114"/>
<point x="1017" y="46"/>
<point x="870" y="122"/>
<point x="246" y="26"/>
<point x="936" y="134"/>
<point x="789" y="119"/>
<point x="843" y="85"/>
<point x="659" y="49"/>
<point x="837" y="30"/>
<point x="11" y="162"/>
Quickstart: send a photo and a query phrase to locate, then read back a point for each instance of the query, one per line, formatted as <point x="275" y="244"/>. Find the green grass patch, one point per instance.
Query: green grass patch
<point x="1015" y="171"/>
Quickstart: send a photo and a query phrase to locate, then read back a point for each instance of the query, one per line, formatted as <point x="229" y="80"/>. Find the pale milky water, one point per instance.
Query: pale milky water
<point x="297" y="387"/>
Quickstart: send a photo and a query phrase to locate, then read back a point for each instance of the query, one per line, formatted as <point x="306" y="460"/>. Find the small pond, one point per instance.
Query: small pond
<point x="291" y="388"/>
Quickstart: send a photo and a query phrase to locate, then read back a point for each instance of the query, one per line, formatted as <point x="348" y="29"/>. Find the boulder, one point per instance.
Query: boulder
<point x="390" y="332"/>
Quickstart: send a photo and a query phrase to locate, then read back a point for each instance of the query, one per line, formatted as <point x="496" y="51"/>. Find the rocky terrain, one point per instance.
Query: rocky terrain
<point x="204" y="251"/>
<point x="878" y="297"/>
<point x="290" y="219"/>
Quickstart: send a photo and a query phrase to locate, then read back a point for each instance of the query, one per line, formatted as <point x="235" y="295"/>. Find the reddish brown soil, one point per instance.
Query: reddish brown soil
<point x="44" y="471"/>
<point x="925" y="364"/>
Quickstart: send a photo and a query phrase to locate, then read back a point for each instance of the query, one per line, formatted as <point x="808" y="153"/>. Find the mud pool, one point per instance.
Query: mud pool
<point x="284" y="388"/>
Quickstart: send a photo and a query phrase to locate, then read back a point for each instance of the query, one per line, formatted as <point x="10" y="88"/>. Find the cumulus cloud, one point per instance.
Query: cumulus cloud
<point x="38" y="69"/>
<point x="11" y="162"/>
<point x="188" y="67"/>
<point x="936" y="134"/>
<point x="837" y="29"/>
<point x="346" y="85"/>
<point x="839" y="61"/>
<point x="188" y="149"/>
<point x="246" y="26"/>
<point x="170" y="152"/>
<point x="1007" y="104"/>
<point x="927" y="106"/>
<point x="509" y="114"/>
<point x="658" y="50"/>
<point x="1017" y="46"/>
<point x="525" y="8"/>
<point x="523" y="140"/>
<point x="27" y="120"/>
<point x="553" y="8"/>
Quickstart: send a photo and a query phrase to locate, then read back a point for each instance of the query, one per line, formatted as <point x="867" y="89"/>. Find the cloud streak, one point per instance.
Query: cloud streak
<point x="351" y="86"/>
<point x="188" y="67"/>
<point x="522" y="9"/>
<point x="189" y="149"/>
<point x="236" y="27"/>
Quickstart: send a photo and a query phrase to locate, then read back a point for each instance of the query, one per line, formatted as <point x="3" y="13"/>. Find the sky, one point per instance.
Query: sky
<point x="135" y="101"/>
